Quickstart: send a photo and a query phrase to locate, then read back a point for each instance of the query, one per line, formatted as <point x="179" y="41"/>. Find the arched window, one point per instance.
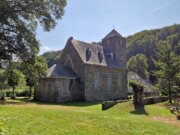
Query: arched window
<point x="49" y="89"/>
<point x="119" y="76"/>
<point x="100" y="56"/>
<point x="96" y="79"/>
<point x="109" y="81"/>
<point x="88" y="54"/>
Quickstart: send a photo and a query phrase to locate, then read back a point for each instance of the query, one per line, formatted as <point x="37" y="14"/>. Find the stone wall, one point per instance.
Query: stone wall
<point x="102" y="83"/>
<point x="58" y="90"/>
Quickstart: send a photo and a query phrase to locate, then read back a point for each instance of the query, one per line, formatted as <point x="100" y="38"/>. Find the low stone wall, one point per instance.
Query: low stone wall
<point x="153" y="100"/>
<point x="108" y="104"/>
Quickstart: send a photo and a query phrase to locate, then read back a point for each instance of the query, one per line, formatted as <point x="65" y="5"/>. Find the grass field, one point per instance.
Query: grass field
<point x="23" y="118"/>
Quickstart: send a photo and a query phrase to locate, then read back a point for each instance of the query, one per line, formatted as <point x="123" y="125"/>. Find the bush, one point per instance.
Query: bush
<point x="13" y="96"/>
<point x="22" y="93"/>
<point x="2" y="95"/>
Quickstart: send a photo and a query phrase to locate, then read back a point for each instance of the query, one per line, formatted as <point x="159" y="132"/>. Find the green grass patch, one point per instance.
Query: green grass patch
<point x="88" y="119"/>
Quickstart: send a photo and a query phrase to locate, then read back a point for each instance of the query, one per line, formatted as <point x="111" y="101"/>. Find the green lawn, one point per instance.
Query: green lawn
<point x="87" y="119"/>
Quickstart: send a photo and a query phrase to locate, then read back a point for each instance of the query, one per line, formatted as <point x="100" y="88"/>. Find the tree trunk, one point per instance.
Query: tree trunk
<point x="13" y="96"/>
<point x="30" y="91"/>
<point x="169" y="88"/>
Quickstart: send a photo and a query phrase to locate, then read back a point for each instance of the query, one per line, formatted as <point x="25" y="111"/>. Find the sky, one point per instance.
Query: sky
<point x="91" y="20"/>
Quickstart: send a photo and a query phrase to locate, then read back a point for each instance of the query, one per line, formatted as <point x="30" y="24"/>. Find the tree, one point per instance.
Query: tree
<point x="14" y="76"/>
<point x="168" y="67"/>
<point x="34" y="69"/>
<point x="139" y="65"/>
<point x="146" y="42"/>
<point x="18" y="22"/>
<point x="3" y="80"/>
<point x="3" y="84"/>
<point x="52" y="57"/>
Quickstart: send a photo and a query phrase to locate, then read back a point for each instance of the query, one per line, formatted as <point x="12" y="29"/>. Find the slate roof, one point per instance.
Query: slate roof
<point x="81" y="47"/>
<point x="60" y="71"/>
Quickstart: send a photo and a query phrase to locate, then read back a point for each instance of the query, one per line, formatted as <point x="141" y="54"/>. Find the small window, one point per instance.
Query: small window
<point x="88" y="54"/>
<point x="66" y="86"/>
<point x="96" y="79"/>
<point x="111" y="55"/>
<point x="100" y="56"/>
<point x="56" y="92"/>
<point x="109" y="81"/>
<point x="119" y="80"/>
<point x="49" y="89"/>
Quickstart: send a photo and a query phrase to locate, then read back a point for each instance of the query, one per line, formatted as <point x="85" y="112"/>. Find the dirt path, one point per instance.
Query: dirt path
<point x="172" y="121"/>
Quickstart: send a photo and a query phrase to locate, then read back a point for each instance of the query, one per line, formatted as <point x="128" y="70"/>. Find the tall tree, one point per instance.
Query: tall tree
<point x="3" y="79"/>
<point x="34" y="69"/>
<point x="18" y="22"/>
<point x="14" y="76"/>
<point x="139" y="65"/>
<point x="168" y="67"/>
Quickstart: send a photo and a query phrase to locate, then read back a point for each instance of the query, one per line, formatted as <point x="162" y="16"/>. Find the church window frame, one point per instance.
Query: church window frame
<point x="49" y="89"/>
<point x="96" y="79"/>
<point x="119" y="80"/>
<point x="109" y="80"/>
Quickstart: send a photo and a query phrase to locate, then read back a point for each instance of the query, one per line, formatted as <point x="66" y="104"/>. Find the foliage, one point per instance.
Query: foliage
<point x="120" y="119"/>
<point x="138" y="64"/>
<point x="2" y="95"/>
<point x="18" y="22"/>
<point x="168" y="67"/>
<point x="147" y="41"/>
<point x="14" y="77"/>
<point x="34" y="69"/>
<point x="17" y="93"/>
<point x="136" y="85"/>
<point x="52" y="57"/>
<point x="3" y="80"/>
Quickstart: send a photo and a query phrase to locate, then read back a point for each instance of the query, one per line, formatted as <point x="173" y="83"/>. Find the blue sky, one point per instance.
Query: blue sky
<point x="91" y="20"/>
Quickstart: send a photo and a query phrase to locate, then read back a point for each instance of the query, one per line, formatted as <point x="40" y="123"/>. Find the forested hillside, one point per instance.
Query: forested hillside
<point x="144" y="42"/>
<point x="52" y="57"/>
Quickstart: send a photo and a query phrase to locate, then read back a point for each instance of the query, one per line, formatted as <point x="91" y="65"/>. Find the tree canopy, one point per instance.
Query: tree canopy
<point x="14" y="76"/>
<point x="167" y="67"/>
<point x="139" y="65"/>
<point x="33" y="71"/>
<point x="147" y="41"/>
<point x="19" y="20"/>
<point x="52" y="57"/>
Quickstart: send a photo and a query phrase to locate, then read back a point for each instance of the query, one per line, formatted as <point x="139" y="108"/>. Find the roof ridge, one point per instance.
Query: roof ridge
<point x="87" y="43"/>
<point x="112" y="34"/>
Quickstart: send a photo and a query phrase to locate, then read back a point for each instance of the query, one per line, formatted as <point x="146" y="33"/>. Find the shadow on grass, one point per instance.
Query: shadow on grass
<point x="75" y="103"/>
<point x="139" y="110"/>
<point x="25" y="100"/>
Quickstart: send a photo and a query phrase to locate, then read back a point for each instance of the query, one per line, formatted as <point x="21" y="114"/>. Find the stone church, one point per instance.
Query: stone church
<point x="87" y="72"/>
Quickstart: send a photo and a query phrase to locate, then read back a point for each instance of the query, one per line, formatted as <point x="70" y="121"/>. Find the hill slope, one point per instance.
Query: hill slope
<point x="146" y="42"/>
<point x="52" y="57"/>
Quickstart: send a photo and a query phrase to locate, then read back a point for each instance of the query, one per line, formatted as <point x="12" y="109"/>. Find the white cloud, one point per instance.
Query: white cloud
<point x="159" y="8"/>
<point x="45" y="47"/>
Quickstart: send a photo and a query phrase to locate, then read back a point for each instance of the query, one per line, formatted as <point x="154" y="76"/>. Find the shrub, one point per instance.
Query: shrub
<point x="12" y="96"/>
<point x="2" y="95"/>
<point x="22" y="93"/>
